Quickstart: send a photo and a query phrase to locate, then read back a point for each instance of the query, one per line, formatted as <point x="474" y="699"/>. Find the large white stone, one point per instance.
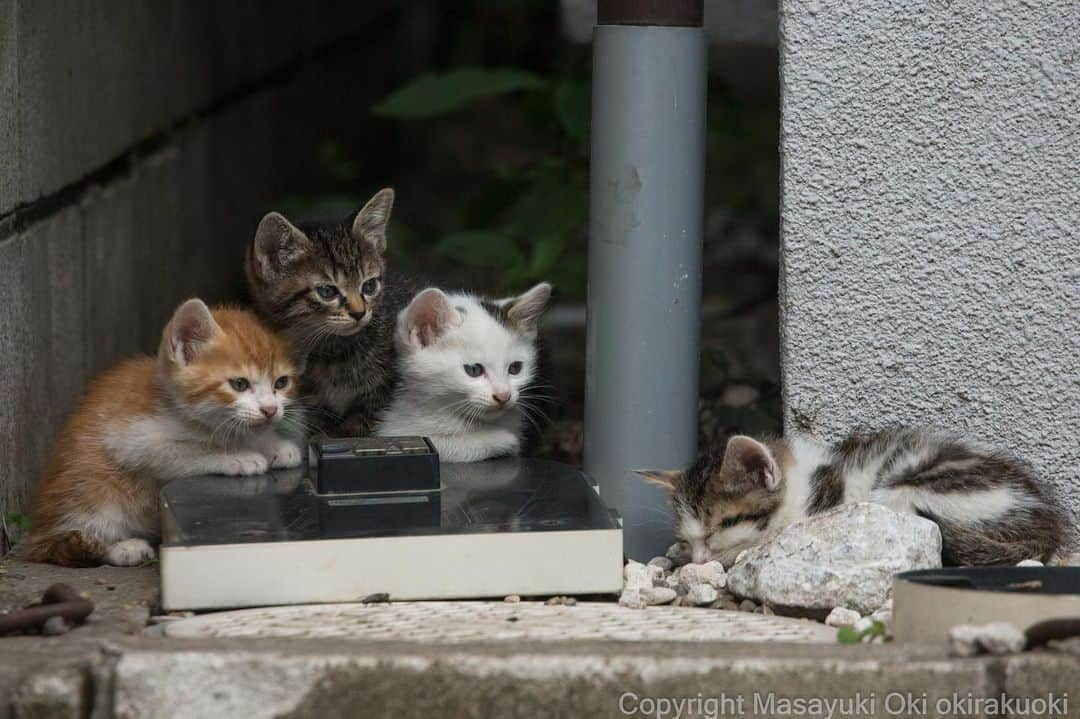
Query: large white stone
<point x="845" y="557"/>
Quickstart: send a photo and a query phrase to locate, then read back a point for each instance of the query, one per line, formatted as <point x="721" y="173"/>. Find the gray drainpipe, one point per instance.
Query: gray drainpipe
<point x="645" y="234"/>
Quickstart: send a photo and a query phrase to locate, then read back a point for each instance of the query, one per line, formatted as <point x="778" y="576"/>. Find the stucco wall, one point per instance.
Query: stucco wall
<point x="930" y="263"/>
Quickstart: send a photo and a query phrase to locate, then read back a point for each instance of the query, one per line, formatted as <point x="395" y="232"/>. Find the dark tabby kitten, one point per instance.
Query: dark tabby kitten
<point x="323" y="286"/>
<point x="990" y="507"/>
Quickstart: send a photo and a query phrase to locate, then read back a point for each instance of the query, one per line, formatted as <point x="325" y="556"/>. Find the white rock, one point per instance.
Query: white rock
<point x="1030" y="563"/>
<point x="701" y="594"/>
<point x="658" y="595"/>
<point x="662" y="562"/>
<point x="632" y="598"/>
<point x="884" y="616"/>
<point x="678" y="554"/>
<point x="966" y="640"/>
<point x="842" y="617"/>
<point x="638" y="575"/>
<point x="845" y="557"/>
<point x="711" y="573"/>
<point x="641" y="597"/>
<point x="862" y="624"/>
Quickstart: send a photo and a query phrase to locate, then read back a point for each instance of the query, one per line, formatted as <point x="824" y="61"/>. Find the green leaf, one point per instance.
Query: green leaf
<point x="333" y="159"/>
<point x="572" y="108"/>
<point x="431" y="95"/>
<point x="545" y="253"/>
<point x="847" y="635"/>
<point x="481" y="248"/>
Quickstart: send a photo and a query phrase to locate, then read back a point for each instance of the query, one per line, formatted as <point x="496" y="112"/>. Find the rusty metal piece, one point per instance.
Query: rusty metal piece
<point x="1052" y="630"/>
<point x="59" y="600"/>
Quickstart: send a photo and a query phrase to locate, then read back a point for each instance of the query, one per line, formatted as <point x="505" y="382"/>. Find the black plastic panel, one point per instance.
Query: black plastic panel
<point x="501" y="495"/>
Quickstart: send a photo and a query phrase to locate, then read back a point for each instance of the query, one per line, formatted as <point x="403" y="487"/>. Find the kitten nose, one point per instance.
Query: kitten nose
<point x="358" y="315"/>
<point x="501" y="397"/>
<point x="268" y="410"/>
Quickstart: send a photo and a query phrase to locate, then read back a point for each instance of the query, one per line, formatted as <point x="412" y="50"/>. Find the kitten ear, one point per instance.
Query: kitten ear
<point x="524" y="310"/>
<point x="278" y="244"/>
<point x="427" y="317"/>
<point x="747" y="458"/>
<point x="370" y="223"/>
<point x="663" y="478"/>
<point x="191" y="328"/>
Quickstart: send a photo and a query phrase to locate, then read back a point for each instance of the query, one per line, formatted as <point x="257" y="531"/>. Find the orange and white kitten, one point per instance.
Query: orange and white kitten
<point x="212" y="402"/>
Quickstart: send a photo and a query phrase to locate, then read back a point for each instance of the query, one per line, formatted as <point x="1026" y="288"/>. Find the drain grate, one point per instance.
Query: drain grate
<point x="455" y="622"/>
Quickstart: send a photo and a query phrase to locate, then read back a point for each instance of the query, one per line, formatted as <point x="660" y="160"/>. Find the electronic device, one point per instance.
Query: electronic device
<point x="488" y="529"/>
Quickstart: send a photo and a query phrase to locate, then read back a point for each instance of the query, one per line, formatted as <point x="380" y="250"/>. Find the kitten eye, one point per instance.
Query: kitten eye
<point x="514" y="368"/>
<point x="370" y="287"/>
<point x="327" y="292"/>
<point x="239" y="383"/>
<point x="474" y="370"/>
<point x="281" y="382"/>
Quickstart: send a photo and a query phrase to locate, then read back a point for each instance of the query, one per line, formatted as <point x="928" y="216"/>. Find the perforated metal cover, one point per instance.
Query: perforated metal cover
<point x="455" y="622"/>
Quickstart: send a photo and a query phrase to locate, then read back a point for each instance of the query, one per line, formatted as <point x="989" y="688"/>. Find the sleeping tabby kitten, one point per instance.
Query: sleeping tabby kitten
<point x="990" y="507"/>
<point x="324" y="286"/>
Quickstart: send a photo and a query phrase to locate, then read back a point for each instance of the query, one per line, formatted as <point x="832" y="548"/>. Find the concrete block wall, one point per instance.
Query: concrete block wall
<point x="930" y="253"/>
<point x="139" y="145"/>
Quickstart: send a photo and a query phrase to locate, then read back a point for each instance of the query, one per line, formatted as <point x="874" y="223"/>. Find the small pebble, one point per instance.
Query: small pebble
<point x="638" y="575"/>
<point x="1030" y="563"/>
<point x="966" y="640"/>
<point x="512" y="599"/>
<point x="711" y="573"/>
<point x="842" y="617"/>
<point x="729" y="604"/>
<point x="54" y="626"/>
<point x="376" y="598"/>
<point x="747" y="605"/>
<point x="678" y="554"/>
<point x="102" y="581"/>
<point x="570" y="602"/>
<point x="701" y="594"/>
<point x="632" y="599"/>
<point x="884" y="616"/>
<point x="662" y="562"/>
<point x="658" y="595"/>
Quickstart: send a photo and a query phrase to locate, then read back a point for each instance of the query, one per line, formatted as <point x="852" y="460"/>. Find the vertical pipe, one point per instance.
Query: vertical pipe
<point x="645" y="236"/>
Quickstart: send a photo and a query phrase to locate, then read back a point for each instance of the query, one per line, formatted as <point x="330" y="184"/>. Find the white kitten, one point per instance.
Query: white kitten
<point x="464" y="363"/>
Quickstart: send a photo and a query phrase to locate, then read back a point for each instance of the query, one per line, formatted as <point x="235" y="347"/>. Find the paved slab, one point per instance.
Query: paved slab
<point x="468" y="659"/>
<point x="459" y="622"/>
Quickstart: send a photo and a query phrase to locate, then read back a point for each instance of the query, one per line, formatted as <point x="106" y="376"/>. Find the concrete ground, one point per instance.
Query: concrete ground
<point x="109" y="668"/>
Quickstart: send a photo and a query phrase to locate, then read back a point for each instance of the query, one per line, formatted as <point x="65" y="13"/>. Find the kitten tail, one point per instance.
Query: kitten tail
<point x="66" y="549"/>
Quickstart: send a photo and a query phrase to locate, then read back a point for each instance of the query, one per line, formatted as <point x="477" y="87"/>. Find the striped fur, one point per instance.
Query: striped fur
<point x="347" y="339"/>
<point x="989" y="505"/>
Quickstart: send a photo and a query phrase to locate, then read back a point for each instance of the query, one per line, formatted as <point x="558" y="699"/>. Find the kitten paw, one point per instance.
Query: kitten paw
<point x="284" y="454"/>
<point x="245" y="464"/>
<point x="129" y="553"/>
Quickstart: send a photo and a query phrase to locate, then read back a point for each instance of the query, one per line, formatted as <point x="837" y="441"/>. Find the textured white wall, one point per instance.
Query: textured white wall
<point x="930" y="267"/>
